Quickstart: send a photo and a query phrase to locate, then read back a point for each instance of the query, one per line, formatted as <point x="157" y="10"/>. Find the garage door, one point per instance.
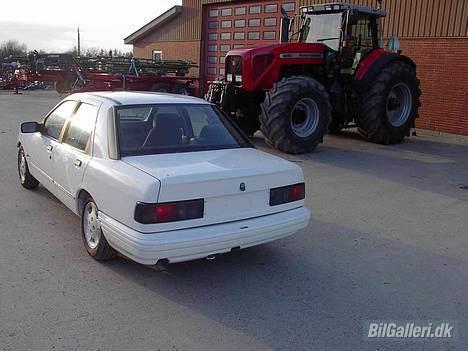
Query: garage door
<point x="233" y="25"/>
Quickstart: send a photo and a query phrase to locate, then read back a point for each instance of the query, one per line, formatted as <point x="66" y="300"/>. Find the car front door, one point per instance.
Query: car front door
<point x="41" y="147"/>
<point x="74" y="153"/>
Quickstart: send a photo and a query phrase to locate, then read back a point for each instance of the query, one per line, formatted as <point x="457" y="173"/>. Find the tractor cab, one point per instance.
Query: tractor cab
<point x="349" y="32"/>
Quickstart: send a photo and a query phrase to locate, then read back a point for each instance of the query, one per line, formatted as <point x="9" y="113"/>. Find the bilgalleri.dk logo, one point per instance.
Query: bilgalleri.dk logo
<point x="409" y="329"/>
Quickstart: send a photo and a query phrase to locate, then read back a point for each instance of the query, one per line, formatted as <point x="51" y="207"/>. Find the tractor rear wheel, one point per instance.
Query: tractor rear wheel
<point x="390" y="107"/>
<point x="295" y="114"/>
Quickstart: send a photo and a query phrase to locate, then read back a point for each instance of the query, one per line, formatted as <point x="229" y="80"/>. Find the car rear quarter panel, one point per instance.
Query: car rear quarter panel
<point x="114" y="185"/>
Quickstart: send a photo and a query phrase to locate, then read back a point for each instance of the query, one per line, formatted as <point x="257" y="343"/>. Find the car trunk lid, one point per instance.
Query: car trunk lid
<point x="235" y="183"/>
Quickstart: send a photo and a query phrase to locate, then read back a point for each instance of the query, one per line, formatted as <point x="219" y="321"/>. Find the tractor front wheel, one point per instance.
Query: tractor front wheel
<point x="390" y="107"/>
<point x="296" y="114"/>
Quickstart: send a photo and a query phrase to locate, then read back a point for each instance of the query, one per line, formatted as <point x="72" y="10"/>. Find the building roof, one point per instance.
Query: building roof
<point x="166" y="16"/>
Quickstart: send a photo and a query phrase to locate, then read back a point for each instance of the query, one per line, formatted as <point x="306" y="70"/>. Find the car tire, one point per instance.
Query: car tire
<point x="91" y="232"/>
<point x="26" y="178"/>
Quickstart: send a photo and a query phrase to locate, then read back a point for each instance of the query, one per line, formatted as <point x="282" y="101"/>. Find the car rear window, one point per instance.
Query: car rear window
<point x="169" y="128"/>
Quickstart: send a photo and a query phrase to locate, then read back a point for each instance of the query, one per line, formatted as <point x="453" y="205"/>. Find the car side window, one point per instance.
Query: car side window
<point x="54" y="123"/>
<point x="81" y="126"/>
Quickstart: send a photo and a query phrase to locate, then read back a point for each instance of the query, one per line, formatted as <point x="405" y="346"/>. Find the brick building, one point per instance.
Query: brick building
<point x="434" y="33"/>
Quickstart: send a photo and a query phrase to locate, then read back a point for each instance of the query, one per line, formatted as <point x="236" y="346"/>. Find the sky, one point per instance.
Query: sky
<point x="51" y="25"/>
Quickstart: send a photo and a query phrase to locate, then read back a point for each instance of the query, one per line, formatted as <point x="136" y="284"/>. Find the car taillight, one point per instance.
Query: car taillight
<point x="287" y="194"/>
<point x="169" y="211"/>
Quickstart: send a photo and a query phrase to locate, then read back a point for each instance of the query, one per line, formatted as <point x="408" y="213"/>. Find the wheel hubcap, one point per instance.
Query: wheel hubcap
<point x="91" y="227"/>
<point x="305" y="117"/>
<point x="22" y="167"/>
<point x="399" y="103"/>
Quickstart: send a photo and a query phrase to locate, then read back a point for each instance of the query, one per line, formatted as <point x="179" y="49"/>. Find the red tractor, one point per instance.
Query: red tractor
<point x="336" y="75"/>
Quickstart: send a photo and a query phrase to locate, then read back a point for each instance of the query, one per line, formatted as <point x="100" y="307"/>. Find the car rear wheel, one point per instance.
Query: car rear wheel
<point x="93" y="238"/>
<point x="26" y="179"/>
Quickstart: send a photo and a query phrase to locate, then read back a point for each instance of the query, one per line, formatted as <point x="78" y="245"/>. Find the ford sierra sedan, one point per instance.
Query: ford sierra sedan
<point x="160" y="178"/>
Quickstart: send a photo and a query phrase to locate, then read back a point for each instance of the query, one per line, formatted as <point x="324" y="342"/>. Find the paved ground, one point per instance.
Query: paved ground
<point x="388" y="240"/>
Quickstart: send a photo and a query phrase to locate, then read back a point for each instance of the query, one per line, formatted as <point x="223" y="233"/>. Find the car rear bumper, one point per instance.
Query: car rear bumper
<point x="189" y="244"/>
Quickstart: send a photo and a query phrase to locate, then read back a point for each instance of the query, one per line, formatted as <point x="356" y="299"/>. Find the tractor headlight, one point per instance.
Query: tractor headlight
<point x="238" y="78"/>
<point x="229" y="77"/>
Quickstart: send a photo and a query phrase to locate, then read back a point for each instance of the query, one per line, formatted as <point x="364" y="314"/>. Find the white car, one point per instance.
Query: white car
<point x="160" y="178"/>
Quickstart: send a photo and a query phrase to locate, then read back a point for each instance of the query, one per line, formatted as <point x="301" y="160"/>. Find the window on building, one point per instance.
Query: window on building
<point x="211" y="70"/>
<point x="253" y="35"/>
<point x="240" y="11"/>
<point x="254" y="22"/>
<point x="239" y="36"/>
<point x="212" y="59"/>
<point x="239" y="23"/>
<point x="212" y="48"/>
<point x="289" y="7"/>
<point x="270" y="22"/>
<point x="226" y="12"/>
<point x="271" y="8"/>
<point x="254" y="10"/>
<point x="213" y="13"/>
<point x="224" y="48"/>
<point x="222" y="59"/>
<point x="212" y="36"/>
<point x="269" y="35"/>
<point x="225" y="36"/>
<point x="212" y="25"/>
<point x="226" y="24"/>
<point x="238" y="46"/>
<point x="221" y="71"/>
<point x="157" y="55"/>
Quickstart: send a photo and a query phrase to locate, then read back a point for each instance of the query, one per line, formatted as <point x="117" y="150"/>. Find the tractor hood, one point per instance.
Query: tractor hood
<point x="261" y="66"/>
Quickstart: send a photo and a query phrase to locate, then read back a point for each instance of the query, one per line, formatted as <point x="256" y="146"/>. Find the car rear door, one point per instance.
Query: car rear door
<point x="40" y="148"/>
<point x="74" y="153"/>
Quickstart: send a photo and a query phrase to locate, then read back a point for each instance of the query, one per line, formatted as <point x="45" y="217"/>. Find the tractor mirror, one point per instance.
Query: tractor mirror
<point x="393" y="44"/>
<point x="30" y="127"/>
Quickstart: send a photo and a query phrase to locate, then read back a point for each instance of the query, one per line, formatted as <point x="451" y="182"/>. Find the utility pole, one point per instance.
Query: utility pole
<point x="78" y="47"/>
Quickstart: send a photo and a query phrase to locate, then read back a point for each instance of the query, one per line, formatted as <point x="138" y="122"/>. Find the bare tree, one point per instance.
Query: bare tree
<point x="12" y="48"/>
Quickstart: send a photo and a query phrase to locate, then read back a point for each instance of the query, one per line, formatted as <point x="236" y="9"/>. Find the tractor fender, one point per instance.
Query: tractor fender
<point x="373" y="64"/>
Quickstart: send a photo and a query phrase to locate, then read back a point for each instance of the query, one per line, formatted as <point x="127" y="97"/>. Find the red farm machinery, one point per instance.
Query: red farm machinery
<point x="78" y="74"/>
<point x="335" y="75"/>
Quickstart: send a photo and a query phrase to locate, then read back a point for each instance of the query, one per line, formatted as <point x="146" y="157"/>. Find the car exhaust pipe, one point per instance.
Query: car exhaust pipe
<point x="161" y="265"/>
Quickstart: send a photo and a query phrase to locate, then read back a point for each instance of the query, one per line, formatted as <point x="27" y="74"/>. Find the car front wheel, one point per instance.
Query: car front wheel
<point x="26" y="179"/>
<point x="93" y="238"/>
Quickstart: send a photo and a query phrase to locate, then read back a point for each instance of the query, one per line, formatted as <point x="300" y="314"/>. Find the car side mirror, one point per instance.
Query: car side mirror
<point x="30" y="127"/>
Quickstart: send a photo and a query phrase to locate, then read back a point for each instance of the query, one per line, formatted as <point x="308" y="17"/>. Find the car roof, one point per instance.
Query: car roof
<point x="138" y="98"/>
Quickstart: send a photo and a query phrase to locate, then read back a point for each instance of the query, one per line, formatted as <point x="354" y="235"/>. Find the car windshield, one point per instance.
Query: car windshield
<point x="159" y="129"/>
<point x="325" y="28"/>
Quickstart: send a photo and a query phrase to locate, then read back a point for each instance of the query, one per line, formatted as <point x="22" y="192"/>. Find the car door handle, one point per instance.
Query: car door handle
<point x="77" y="163"/>
<point x="49" y="147"/>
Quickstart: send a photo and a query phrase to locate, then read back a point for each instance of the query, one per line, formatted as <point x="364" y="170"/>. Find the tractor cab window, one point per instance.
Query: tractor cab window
<point x="363" y="34"/>
<point x="324" y="28"/>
